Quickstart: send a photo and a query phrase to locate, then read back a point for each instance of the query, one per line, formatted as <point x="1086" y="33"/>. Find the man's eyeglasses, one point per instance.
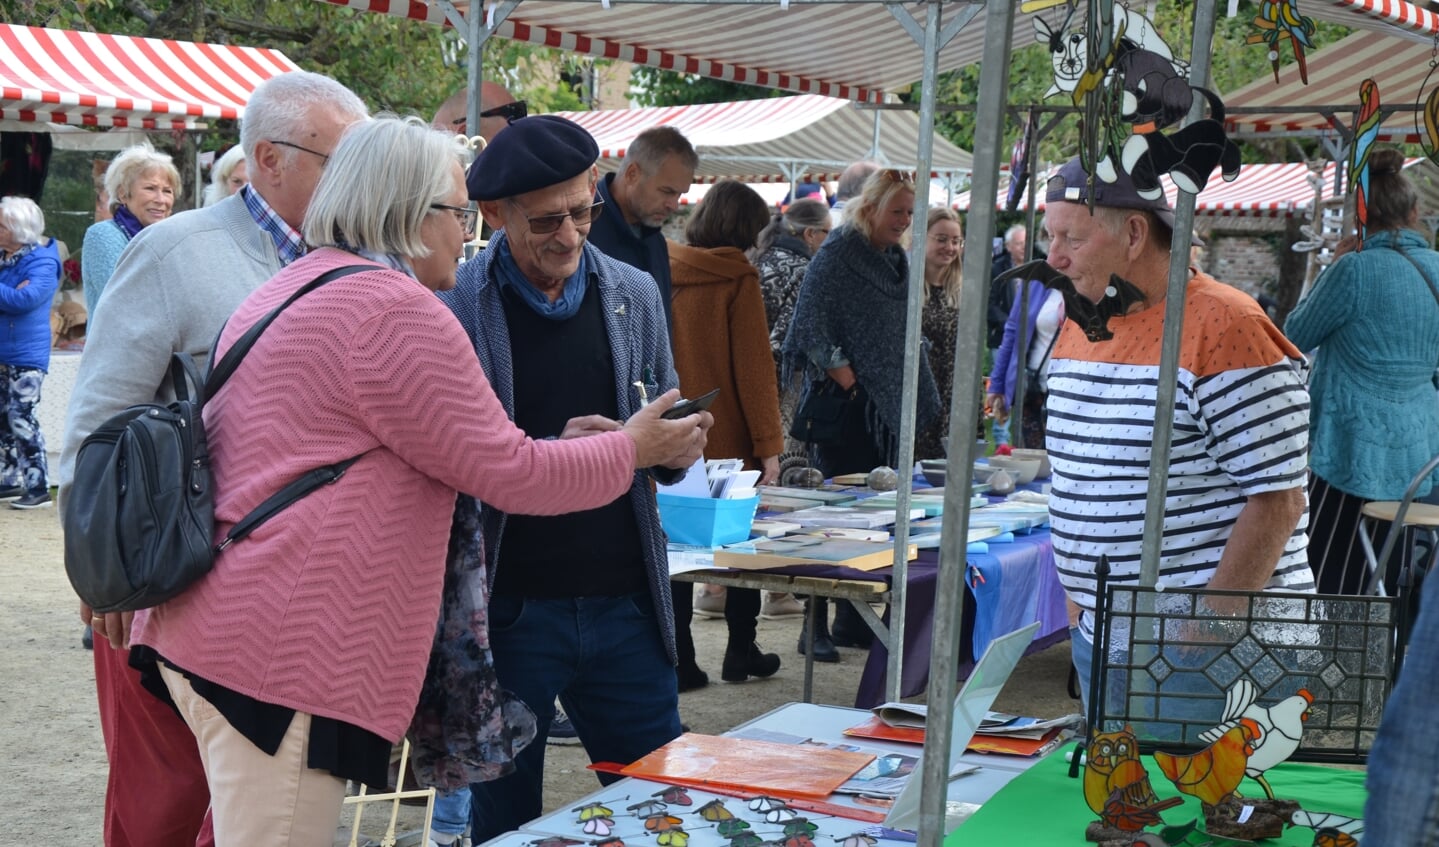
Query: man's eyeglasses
<point x="324" y="158"/>
<point x="464" y="215"/>
<point x="546" y="224"/>
<point x="511" y="112"/>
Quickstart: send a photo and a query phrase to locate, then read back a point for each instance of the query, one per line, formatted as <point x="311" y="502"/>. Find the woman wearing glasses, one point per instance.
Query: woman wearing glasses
<point x="845" y="336"/>
<point x="298" y="660"/>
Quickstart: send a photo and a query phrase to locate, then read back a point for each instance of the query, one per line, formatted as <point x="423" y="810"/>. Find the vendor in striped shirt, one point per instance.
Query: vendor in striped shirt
<point x="1235" y="514"/>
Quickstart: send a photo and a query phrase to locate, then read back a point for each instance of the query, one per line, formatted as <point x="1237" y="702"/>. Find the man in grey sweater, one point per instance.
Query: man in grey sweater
<point x="176" y="284"/>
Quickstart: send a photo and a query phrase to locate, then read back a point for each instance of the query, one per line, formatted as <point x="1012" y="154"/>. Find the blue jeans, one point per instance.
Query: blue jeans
<point x="1081" y="653"/>
<point x="605" y="660"/>
<point x="1403" y="804"/>
<point x="452" y="811"/>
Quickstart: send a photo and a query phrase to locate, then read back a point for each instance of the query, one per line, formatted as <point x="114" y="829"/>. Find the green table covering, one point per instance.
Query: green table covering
<point x="1043" y="806"/>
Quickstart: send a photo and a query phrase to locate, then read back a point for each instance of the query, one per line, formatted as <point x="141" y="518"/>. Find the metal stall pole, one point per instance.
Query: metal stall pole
<point x="933" y="40"/>
<point x="481" y="27"/>
<point x="1153" y="542"/>
<point x="964" y="408"/>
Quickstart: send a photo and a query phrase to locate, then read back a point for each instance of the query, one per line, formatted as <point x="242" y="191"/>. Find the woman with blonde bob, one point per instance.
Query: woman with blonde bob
<point x="226" y="176"/>
<point x="850" y="314"/>
<point x="298" y="660"/>
<point x="142" y="184"/>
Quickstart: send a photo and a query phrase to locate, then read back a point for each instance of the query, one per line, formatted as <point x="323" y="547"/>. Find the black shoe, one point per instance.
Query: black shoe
<point x="691" y="678"/>
<point x="562" y="732"/>
<point x="12" y="492"/>
<point x="38" y="500"/>
<point x="824" y="649"/>
<point x="87" y="638"/>
<point x="741" y="663"/>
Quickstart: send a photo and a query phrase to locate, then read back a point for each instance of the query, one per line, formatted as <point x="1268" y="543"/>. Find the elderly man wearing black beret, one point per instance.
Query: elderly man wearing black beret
<point x="573" y="342"/>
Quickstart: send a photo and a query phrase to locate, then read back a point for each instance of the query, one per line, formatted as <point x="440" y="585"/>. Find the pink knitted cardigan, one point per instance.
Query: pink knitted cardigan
<point x="331" y="607"/>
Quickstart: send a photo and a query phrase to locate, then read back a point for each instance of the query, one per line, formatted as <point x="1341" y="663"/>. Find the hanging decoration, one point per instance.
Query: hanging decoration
<point x="1123" y="74"/>
<point x="1366" y="130"/>
<point x="1019" y="162"/>
<point x="1279" y="21"/>
<point x="1427" y="107"/>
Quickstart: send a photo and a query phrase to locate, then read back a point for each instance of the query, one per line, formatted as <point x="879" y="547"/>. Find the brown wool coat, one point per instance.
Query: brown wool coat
<point x="721" y="340"/>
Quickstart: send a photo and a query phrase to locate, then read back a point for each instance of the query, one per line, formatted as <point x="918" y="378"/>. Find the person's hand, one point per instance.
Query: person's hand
<point x="998" y="408"/>
<point x="589" y="425"/>
<point x="114" y="626"/>
<point x="769" y="470"/>
<point x="844" y="376"/>
<point x="671" y="444"/>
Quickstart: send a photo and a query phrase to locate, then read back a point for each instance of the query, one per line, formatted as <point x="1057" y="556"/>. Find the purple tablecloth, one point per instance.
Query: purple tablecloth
<point x="1019" y="585"/>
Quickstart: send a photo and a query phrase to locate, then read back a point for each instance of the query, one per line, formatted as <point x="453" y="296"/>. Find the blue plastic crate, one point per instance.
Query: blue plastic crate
<point x="706" y="521"/>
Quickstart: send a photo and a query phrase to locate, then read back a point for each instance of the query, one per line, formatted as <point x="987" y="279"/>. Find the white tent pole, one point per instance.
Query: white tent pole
<point x="1153" y="543"/>
<point x="964" y="405"/>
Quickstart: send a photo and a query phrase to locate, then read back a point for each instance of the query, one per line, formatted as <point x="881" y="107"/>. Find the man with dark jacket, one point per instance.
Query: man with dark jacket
<point x="639" y="197"/>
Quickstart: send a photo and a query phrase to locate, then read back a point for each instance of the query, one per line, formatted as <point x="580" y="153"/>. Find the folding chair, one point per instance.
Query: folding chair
<point x="1407" y="520"/>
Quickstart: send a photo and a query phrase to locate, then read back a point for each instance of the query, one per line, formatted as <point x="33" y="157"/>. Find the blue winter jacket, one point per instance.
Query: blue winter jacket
<point x="25" y="312"/>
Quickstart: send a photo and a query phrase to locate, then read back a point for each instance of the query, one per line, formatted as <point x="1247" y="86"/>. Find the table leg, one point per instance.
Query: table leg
<point x="811" y="611"/>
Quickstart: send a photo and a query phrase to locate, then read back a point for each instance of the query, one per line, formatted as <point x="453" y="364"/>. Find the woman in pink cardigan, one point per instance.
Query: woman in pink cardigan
<point x="297" y="661"/>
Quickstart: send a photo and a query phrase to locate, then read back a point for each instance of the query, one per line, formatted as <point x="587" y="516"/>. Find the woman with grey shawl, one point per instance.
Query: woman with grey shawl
<point x="845" y="338"/>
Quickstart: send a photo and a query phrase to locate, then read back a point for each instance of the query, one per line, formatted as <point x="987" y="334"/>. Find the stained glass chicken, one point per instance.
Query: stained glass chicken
<point x="1213" y="773"/>
<point x="1281" y="727"/>
<point x="1116" y="785"/>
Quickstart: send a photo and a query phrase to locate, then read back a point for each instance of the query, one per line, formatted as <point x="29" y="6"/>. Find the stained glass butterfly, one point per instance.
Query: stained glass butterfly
<point x="744" y="839"/>
<point x="593" y="810"/>
<point x="675" y="796"/>
<point x="780" y="815"/>
<point x="858" y="839"/>
<point x="714" y="810"/>
<point x="662" y="823"/>
<point x="646" y="808"/>
<point x="801" y="826"/>
<point x="555" y="841"/>
<point x="732" y="827"/>
<point x="799" y="841"/>
<point x="673" y="838"/>
<point x="764" y="804"/>
<point x="598" y="826"/>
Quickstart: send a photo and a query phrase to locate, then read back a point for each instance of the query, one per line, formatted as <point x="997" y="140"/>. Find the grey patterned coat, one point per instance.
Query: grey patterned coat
<point x="635" y="322"/>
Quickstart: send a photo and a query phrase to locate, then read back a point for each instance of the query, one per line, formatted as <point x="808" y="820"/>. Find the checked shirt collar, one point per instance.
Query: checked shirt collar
<point x="288" y="243"/>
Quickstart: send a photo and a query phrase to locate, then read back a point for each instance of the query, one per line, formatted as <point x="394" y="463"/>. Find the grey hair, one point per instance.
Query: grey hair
<point x="220" y="174"/>
<point x="1010" y="233"/>
<point x="23" y="218"/>
<point x="132" y="164"/>
<point x="800" y="215"/>
<point x="378" y="187"/>
<point x="851" y="182"/>
<point x="651" y="147"/>
<point x="282" y="103"/>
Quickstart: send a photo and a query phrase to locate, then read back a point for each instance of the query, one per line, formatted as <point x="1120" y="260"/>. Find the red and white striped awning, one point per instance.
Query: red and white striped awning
<point x="91" y="79"/>
<point x="853" y="49"/>
<point x="1400" y="67"/>
<point x="1276" y="190"/>
<point x="804" y="138"/>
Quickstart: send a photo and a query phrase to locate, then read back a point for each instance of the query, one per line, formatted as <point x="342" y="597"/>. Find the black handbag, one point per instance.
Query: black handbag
<point x="821" y="412"/>
<point x="139" y="517"/>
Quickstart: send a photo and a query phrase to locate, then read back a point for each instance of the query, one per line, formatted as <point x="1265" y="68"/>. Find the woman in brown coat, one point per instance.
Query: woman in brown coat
<point x="721" y="340"/>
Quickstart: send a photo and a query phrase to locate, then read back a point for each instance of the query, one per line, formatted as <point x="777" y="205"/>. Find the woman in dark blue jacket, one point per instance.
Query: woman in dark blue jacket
<point x="29" y="273"/>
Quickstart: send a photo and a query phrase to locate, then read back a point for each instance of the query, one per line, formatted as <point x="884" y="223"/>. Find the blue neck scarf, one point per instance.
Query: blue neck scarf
<point x="126" y="221"/>
<point x="509" y="275"/>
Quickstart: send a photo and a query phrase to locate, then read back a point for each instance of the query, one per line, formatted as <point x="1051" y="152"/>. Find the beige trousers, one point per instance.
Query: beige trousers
<point x="256" y="798"/>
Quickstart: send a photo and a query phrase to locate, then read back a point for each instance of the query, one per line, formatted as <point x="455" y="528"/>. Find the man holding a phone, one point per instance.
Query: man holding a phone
<point x="580" y="604"/>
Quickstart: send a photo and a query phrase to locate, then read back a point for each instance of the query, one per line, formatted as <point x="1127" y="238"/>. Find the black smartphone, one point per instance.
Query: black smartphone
<point x="689" y="407"/>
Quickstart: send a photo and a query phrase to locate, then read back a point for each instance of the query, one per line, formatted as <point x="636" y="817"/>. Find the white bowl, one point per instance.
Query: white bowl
<point x="1030" y="453"/>
<point x="1023" y="470"/>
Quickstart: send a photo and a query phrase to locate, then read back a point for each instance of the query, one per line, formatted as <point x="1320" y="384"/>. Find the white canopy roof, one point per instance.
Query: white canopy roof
<point x="93" y="79"/>
<point x="779" y="139"/>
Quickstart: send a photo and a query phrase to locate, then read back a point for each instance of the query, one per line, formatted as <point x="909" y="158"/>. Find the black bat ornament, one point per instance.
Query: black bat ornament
<point x="1091" y="317"/>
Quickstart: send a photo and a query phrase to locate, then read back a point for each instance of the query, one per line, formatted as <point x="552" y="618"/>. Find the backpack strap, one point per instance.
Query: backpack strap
<point x="185" y="374"/>
<point x="220" y="373"/>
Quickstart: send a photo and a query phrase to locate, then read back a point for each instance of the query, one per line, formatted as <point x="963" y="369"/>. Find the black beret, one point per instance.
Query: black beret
<point x="529" y="154"/>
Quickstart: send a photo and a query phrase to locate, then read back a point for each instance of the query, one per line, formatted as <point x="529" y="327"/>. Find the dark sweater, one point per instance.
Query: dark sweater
<point x="646" y="251"/>
<point x="565" y="369"/>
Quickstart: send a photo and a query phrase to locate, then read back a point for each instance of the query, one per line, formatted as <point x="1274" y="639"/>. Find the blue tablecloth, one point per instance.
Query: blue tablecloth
<point x="1010" y="586"/>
